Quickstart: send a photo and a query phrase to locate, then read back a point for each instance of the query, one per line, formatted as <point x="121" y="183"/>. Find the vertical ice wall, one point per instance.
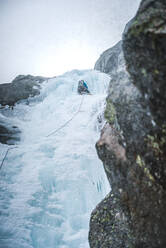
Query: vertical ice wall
<point x="50" y="184"/>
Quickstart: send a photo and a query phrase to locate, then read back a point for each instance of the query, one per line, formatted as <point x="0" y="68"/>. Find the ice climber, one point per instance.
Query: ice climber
<point x="82" y="88"/>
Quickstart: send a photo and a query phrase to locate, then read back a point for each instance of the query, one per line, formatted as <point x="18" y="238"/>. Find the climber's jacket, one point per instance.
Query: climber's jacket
<point x="82" y="88"/>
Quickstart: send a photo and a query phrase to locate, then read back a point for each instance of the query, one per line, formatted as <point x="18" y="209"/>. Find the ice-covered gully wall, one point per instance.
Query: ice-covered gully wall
<point x="51" y="180"/>
<point x="133" y="142"/>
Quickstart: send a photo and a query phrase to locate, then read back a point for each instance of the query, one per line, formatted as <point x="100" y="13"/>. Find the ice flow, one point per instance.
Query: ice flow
<point x="51" y="183"/>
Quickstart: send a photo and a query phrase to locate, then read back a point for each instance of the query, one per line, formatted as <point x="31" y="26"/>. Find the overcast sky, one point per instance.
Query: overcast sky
<point x="49" y="37"/>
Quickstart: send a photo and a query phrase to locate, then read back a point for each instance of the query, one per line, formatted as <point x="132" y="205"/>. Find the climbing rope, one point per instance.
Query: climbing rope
<point x="65" y="124"/>
<point x="55" y="131"/>
<point x="6" y="155"/>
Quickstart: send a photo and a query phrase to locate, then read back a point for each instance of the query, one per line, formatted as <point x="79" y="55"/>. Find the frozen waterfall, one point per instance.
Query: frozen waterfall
<point x="50" y="184"/>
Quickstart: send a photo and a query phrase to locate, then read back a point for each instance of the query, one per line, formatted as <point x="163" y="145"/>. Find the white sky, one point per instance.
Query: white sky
<point x="49" y="37"/>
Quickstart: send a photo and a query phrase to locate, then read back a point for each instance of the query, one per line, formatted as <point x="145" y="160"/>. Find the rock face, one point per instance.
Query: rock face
<point x="108" y="61"/>
<point x="145" y="53"/>
<point x="8" y="134"/>
<point x="132" y="145"/>
<point x="20" y="88"/>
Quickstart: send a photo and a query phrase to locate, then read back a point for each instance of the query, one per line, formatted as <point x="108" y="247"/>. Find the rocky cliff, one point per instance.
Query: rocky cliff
<point x="132" y="145"/>
<point x="21" y="88"/>
<point x="109" y="60"/>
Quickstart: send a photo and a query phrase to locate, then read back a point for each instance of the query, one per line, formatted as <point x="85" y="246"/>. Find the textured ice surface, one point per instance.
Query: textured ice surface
<point x="49" y="185"/>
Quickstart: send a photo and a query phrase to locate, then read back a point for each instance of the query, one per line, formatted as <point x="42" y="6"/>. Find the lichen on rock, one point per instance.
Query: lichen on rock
<point x="132" y="145"/>
<point x="110" y="112"/>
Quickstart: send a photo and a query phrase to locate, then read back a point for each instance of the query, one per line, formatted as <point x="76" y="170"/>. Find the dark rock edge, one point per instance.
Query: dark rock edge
<point x="133" y="142"/>
<point x="21" y="88"/>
